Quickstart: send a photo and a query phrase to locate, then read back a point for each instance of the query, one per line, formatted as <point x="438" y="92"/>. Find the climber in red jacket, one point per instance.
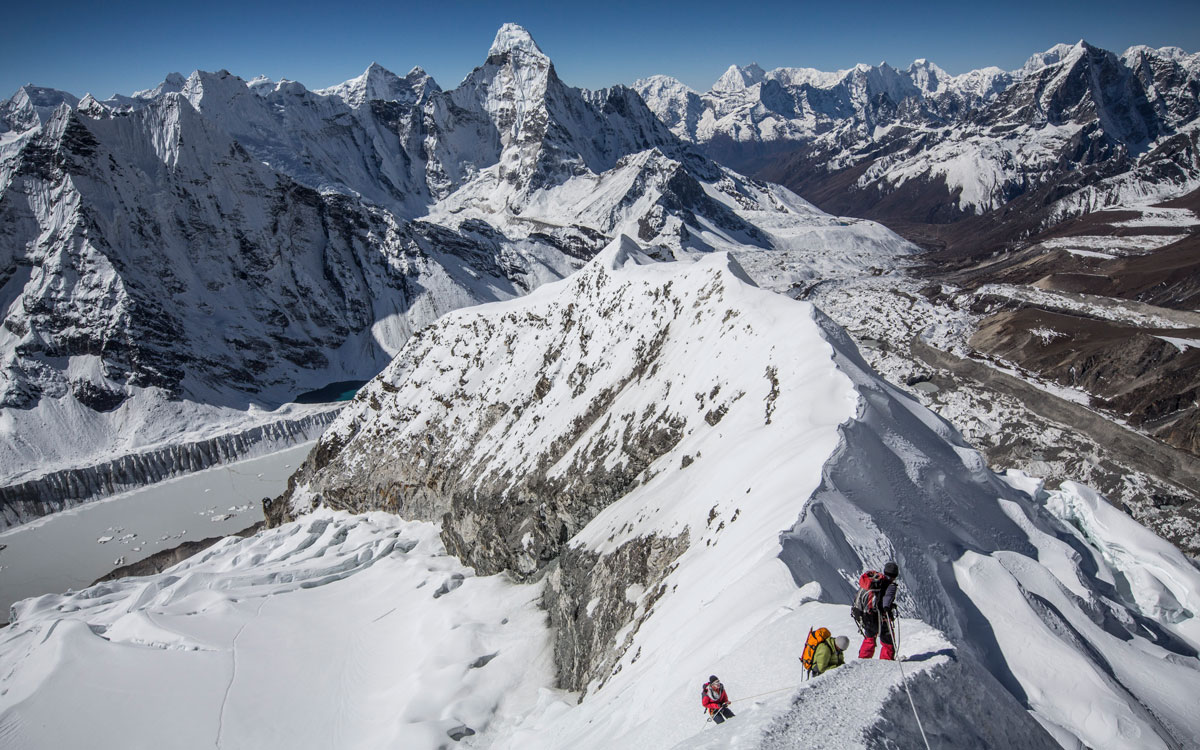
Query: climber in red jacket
<point x="715" y="700"/>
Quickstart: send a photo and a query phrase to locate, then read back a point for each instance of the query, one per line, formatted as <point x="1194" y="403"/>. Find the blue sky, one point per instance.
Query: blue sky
<point x="121" y="47"/>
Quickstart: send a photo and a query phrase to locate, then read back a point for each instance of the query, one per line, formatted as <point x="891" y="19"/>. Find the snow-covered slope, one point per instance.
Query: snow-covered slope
<point x="653" y="490"/>
<point x="225" y="649"/>
<point x="687" y="472"/>
<point x="186" y="259"/>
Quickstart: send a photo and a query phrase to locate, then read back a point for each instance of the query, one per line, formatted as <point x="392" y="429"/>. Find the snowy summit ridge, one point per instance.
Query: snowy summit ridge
<point x="645" y="426"/>
<point x="512" y="39"/>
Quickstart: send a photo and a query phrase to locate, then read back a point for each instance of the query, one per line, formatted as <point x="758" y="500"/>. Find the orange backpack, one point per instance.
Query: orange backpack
<point x="815" y="638"/>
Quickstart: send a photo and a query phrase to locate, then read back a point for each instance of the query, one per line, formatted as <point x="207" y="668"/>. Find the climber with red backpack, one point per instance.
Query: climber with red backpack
<point x="874" y="611"/>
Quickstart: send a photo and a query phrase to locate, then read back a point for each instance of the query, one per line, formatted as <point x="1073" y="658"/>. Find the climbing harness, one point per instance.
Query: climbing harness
<point x="903" y="680"/>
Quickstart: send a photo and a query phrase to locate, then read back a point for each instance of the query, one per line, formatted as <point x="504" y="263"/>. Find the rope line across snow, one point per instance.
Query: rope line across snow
<point x="904" y="680"/>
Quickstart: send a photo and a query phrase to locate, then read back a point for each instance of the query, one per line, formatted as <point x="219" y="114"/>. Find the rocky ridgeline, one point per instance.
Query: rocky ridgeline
<point x="59" y="490"/>
<point x="515" y="425"/>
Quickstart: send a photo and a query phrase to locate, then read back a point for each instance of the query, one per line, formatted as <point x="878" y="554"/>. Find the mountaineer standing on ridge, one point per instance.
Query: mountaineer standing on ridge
<point x="873" y="610"/>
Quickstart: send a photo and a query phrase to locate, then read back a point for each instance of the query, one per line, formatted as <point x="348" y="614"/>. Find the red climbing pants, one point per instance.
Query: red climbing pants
<point x="872" y="627"/>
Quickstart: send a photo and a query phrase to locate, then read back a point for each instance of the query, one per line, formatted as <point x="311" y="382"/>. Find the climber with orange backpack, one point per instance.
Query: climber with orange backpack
<point x="823" y="652"/>
<point x="874" y="610"/>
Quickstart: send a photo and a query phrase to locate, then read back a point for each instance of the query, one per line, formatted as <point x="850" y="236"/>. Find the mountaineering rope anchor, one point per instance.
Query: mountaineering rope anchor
<point x="903" y="680"/>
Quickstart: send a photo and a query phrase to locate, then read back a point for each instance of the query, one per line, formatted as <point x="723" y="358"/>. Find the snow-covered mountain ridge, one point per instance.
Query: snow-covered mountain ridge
<point x="213" y="245"/>
<point x="1038" y="195"/>
<point x="644" y="441"/>
<point x="919" y="145"/>
<point x="688" y="472"/>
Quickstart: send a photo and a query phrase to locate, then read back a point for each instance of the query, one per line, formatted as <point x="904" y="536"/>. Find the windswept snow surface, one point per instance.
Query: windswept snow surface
<point x="64" y="550"/>
<point x="336" y="631"/>
<point x="339" y="631"/>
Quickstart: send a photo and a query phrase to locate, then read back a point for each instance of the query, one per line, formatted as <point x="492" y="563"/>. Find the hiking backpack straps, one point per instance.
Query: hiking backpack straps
<point x="866" y="599"/>
<point x="809" y="658"/>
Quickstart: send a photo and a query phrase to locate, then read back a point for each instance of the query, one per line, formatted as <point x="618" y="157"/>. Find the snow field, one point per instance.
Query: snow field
<point x="360" y="632"/>
<point x="334" y="631"/>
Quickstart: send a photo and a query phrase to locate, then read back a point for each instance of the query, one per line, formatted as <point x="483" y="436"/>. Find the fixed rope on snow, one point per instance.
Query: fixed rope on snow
<point x="903" y="680"/>
<point x="895" y="631"/>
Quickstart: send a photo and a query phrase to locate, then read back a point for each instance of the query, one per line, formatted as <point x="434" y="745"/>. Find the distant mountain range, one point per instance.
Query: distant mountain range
<point x="180" y="262"/>
<point x="1006" y="153"/>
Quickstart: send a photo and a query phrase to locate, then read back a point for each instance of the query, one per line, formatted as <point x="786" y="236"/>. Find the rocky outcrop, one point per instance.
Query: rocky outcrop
<point x="33" y="498"/>
<point x="518" y="426"/>
<point x="596" y="604"/>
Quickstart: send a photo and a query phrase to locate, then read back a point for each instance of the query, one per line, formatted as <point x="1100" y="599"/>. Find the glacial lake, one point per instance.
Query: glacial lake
<point x="71" y="549"/>
<point x="343" y="390"/>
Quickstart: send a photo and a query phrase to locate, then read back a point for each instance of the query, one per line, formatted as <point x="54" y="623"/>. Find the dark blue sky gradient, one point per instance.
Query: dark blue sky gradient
<point x="121" y="47"/>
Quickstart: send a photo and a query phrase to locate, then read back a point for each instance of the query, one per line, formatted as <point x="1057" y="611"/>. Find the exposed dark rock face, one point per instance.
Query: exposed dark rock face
<point x="1136" y="372"/>
<point x="587" y="598"/>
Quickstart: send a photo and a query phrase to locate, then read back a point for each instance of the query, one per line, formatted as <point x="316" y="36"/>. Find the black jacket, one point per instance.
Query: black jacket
<point x="888" y="602"/>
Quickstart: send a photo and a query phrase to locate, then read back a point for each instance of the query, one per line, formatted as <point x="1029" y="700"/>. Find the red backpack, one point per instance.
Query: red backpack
<point x="867" y="598"/>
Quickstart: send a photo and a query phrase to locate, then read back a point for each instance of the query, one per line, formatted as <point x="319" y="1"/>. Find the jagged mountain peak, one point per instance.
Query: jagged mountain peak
<point x="173" y="83"/>
<point x="204" y="85"/>
<point x="1056" y="54"/>
<point x="31" y="106"/>
<point x="740" y="78"/>
<point x="92" y="107"/>
<point x="1136" y="54"/>
<point x="927" y="76"/>
<point x="514" y="40"/>
<point x="377" y="83"/>
<point x="662" y="82"/>
<point x="40" y="96"/>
